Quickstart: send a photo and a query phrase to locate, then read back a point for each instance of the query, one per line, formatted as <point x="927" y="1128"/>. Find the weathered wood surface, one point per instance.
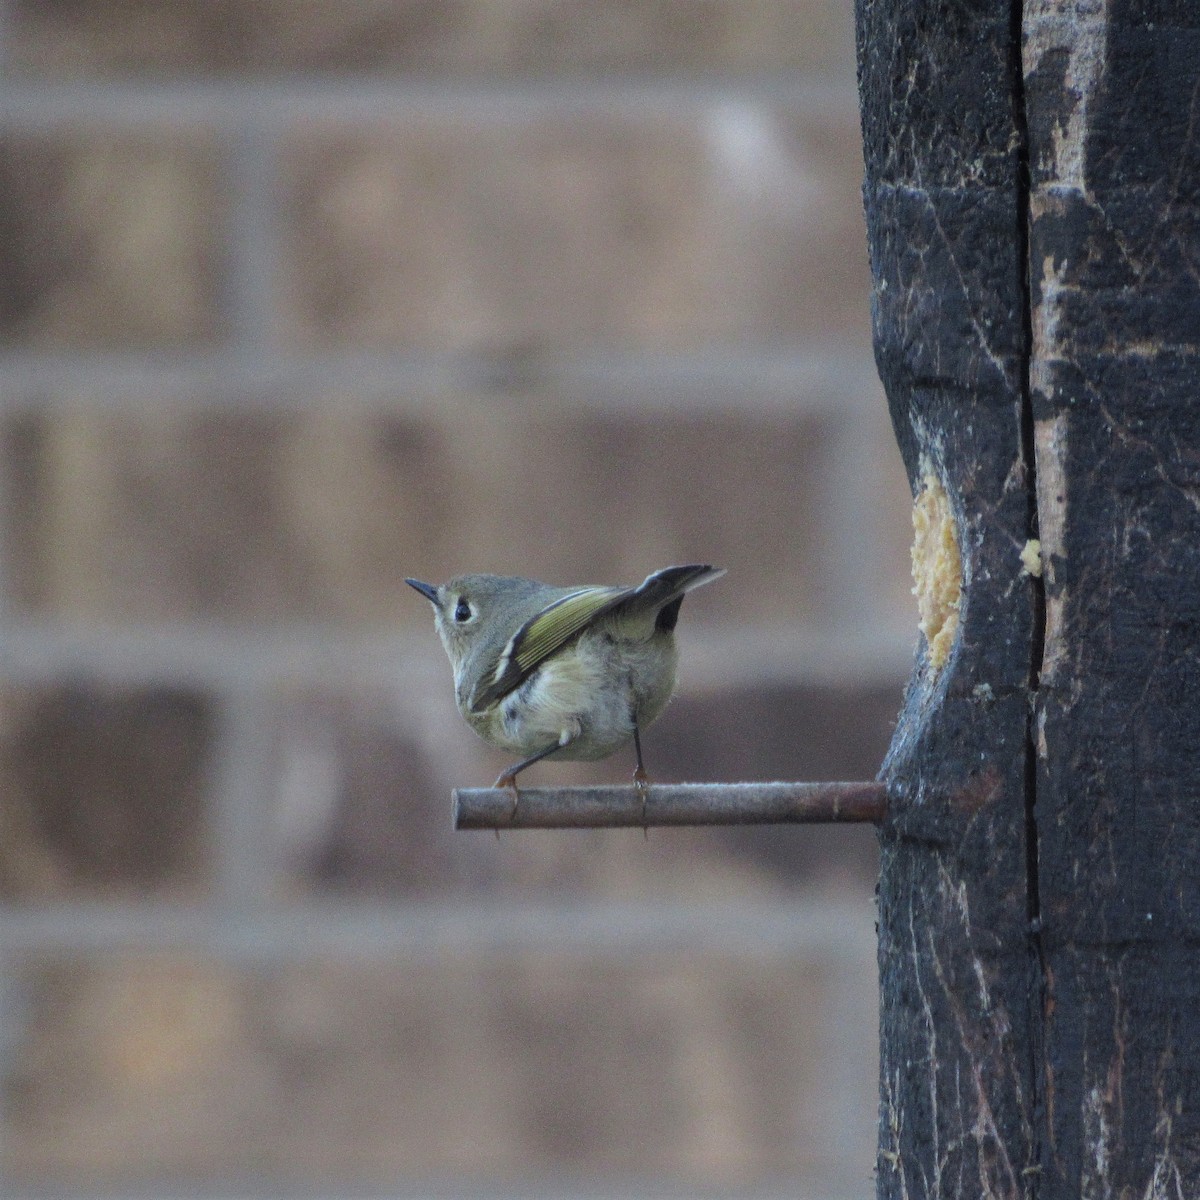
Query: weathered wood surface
<point x="1033" y="207"/>
<point x="1114" y="132"/>
<point x="958" y="967"/>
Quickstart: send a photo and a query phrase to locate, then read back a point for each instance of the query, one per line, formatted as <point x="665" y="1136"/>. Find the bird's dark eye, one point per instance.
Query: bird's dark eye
<point x="462" y="610"/>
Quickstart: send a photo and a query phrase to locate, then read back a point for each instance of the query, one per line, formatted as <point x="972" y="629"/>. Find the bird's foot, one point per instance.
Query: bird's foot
<point x="641" y="781"/>
<point x="509" y="780"/>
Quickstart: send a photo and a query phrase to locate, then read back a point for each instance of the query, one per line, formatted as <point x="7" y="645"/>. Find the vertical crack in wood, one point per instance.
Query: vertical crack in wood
<point x="1037" y="600"/>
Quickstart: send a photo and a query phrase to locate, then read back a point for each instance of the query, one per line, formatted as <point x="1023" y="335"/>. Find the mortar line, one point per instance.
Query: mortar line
<point x="368" y="930"/>
<point x="284" y="104"/>
<point x="239" y="798"/>
<point x="252" y="245"/>
<point x="6" y="19"/>
<point x="199" y="654"/>
<point x="814" y="377"/>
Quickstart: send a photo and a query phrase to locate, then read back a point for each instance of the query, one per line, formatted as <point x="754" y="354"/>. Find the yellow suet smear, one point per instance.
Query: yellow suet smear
<point x="936" y="568"/>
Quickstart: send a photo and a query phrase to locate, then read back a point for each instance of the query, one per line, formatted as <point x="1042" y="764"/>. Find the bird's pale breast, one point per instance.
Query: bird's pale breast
<point x="592" y="690"/>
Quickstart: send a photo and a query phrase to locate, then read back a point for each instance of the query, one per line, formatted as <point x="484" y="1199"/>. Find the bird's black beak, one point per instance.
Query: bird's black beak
<point x="426" y="589"/>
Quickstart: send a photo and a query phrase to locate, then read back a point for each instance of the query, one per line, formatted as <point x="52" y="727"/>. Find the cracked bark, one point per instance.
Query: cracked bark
<point x="1033" y="209"/>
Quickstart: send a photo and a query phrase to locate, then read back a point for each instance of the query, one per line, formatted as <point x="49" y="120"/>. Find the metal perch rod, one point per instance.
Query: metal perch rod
<point x="670" y="804"/>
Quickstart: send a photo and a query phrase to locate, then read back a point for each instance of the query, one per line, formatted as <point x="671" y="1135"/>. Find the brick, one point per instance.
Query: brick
<point x="361" y="790"/>
<point x="111" y="239"/>
<point x="103" y="792"/>
<point x="644" y="229"/>
<point x="121" y="519"/>
<point x="319" y="516"/>
<point x="777" y="731"/>
<point x="697" y="1069"/>
<point x="868" y="534"/>
<point x="889" y="501"/>
<point x="470" y="36"/>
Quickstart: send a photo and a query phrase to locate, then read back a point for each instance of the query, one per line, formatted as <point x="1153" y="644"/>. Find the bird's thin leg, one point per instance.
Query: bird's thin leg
<point x="641" y="780"/>
<point x="508" y="778"/>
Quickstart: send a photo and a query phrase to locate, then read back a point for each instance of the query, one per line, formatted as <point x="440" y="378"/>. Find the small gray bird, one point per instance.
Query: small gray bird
<point x="569" y="672"/>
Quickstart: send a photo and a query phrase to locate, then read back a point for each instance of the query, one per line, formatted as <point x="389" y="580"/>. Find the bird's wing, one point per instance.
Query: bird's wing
<point x="544" y="634"/>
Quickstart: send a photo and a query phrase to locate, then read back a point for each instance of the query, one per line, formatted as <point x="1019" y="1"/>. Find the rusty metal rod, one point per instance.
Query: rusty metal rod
<point x="670" y="804"/>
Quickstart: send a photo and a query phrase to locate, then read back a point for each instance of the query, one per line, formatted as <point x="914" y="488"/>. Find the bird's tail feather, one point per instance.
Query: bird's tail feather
<point x="675" y="581"/>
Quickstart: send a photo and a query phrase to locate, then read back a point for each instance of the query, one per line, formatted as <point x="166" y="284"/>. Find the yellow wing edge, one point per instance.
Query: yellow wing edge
<point x="544" y="634"/>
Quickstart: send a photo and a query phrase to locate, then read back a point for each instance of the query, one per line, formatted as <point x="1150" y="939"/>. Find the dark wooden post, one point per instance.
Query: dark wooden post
<point x="1114" y="135"/>
<point x="958" y="967"/>
<point x="1033" y="208"/>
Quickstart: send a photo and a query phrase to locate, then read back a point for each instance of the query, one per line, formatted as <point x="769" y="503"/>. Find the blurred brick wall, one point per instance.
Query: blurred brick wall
<point x="297" y="299"/>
